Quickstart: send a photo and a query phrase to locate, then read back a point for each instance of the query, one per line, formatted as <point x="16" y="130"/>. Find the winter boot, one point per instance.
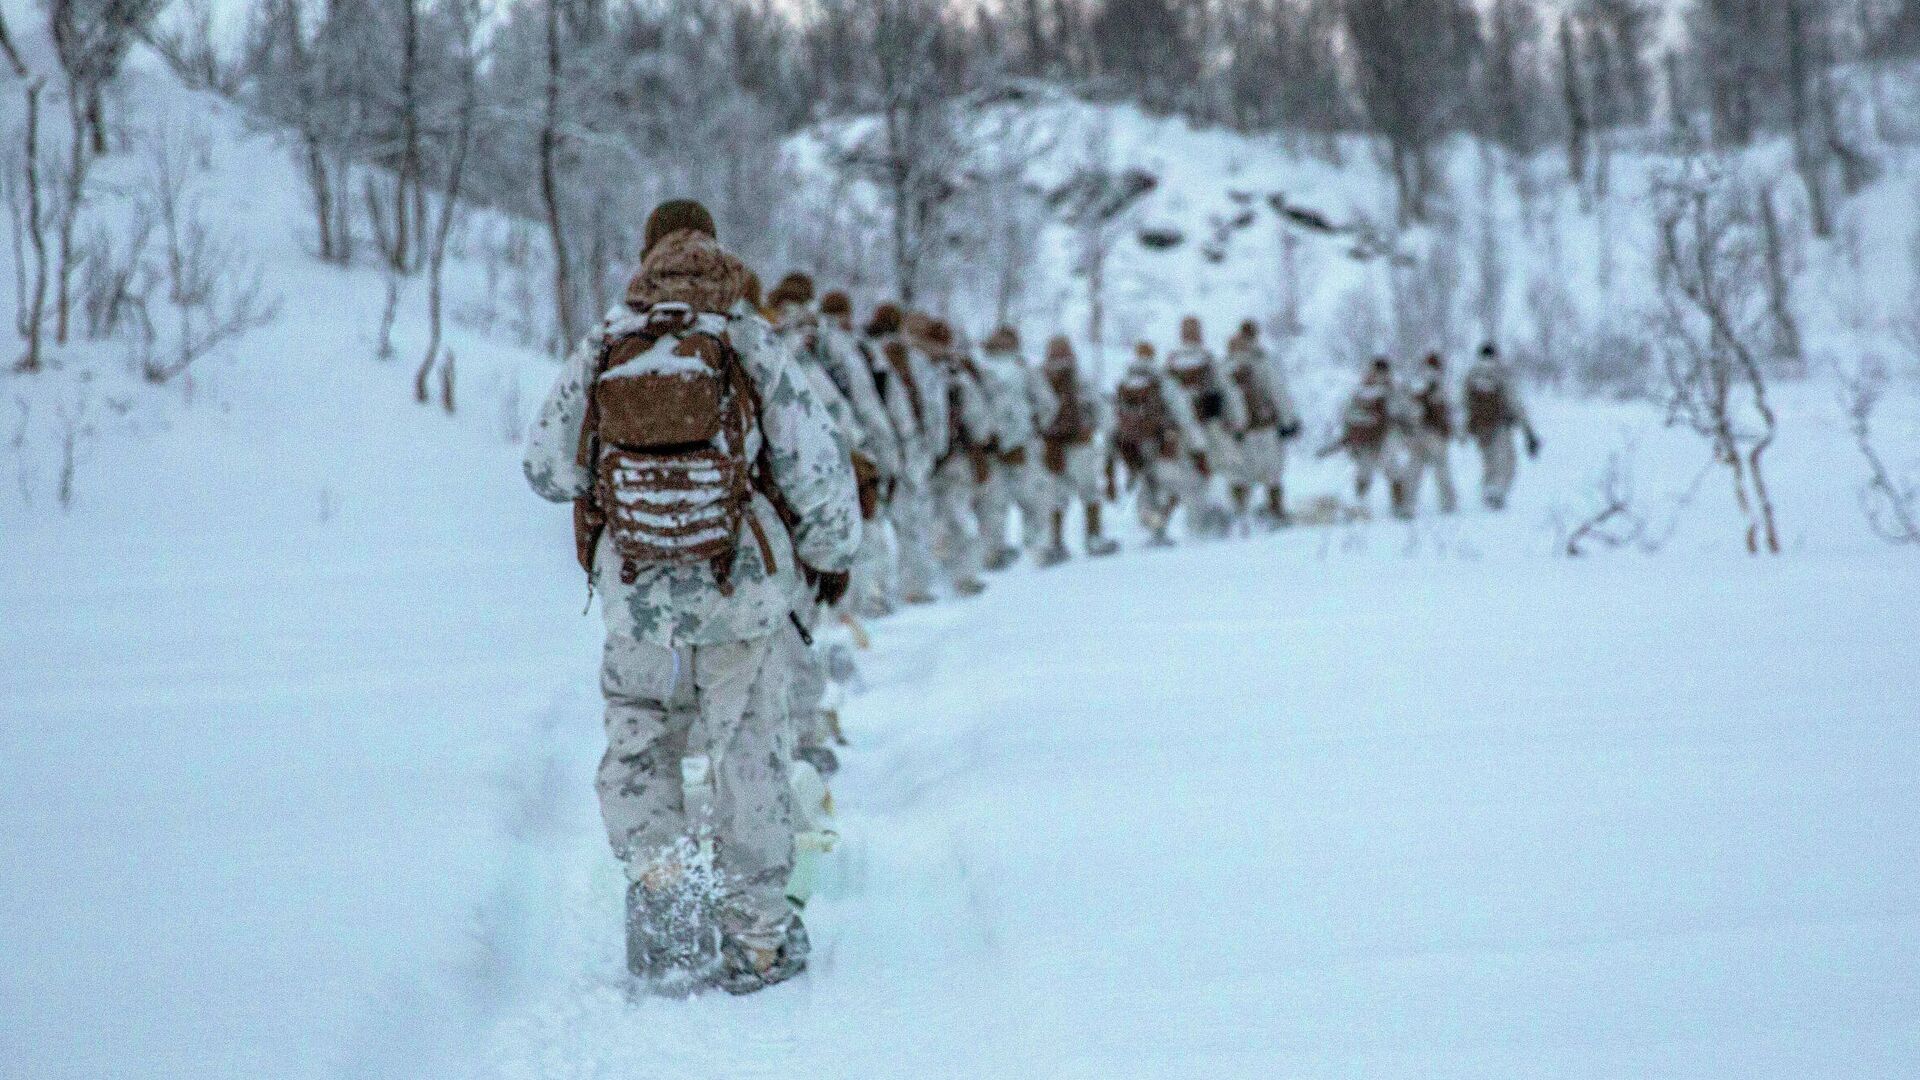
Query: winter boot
<point x="751" y="966"/>
<point x="1002" y="558"/>
<point x="1097" y="545"/>
<point x="969" y="587"/>
<point x="673" y="930"/>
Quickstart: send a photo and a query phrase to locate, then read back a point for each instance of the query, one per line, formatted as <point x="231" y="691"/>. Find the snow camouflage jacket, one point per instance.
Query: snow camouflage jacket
<point x="840" y="355"/>
<point x="1187" y="368"/>
<point x="674" y="606"/>
<point x="1267" y="378"/>
<point x="1019" y="398"/>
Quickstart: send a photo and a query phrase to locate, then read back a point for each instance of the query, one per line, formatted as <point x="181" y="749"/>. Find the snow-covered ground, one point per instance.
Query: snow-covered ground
<point x="298" y="718"/>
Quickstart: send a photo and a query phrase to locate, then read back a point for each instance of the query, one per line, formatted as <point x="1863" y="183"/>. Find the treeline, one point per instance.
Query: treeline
<point x="577" y="115"/>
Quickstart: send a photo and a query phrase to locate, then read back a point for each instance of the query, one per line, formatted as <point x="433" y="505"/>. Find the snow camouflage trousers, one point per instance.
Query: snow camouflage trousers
<point x="1025" y="486"/>
<point x="911" y="514"/>
<point x="876" y="569"/>
<point x="1263" y="458"/>
<point x="957" y="527"/>
<point x="1430" y="457"/>
<point x="1498" y="460"/>
<point x="731" y="701"/>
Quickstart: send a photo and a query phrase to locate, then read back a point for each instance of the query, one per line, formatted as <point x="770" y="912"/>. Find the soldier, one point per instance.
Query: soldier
<point x="1430" y="435"/>
<point x="1147" y="441"/>
<point x="700" y="556"/>
<point x="1021" y="402"/>
<point x="1494" y="410"/>
<point x="916" y="398"/>
<point x="1271" y="421"/>
<point x="877" y="458"/>
<point x="963" y="467"/>
<point x="815" y="727"/>
<point x="1370" y="433"/>
<point x="1207" y="416"/>
<point x="1070" y="454"/>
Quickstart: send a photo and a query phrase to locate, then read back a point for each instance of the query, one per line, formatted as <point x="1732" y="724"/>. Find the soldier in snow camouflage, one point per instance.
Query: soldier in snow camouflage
<point x="1021" y="404"/>
<point x="690" y="672"/>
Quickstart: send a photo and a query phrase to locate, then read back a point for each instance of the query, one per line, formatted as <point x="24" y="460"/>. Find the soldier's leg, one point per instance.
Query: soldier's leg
<point x="1501" y="461"/>
<point x="1366" y="463"/>
<point x="993" y="505"/>
<point x="742" y="693"/>
<point x="1082" y="484"/>
<point x="1035" y="493"/>
<point x="958" y="527"/>
<point x="912" y="516"/>
<point x="1443" y="476"/>
<point x="807" y="665"/>
<point x="872" y="587"/>
<point x="672" y="897"/>
<point x="639" y="776"/>
<point x="1399" y="461"/>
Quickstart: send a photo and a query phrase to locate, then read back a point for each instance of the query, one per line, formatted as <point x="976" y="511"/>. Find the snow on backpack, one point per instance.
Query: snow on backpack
<point x="670" y="412"/>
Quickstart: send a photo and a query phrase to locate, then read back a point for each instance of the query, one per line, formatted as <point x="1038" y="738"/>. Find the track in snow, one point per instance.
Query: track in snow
<point x="1238" y="810"/>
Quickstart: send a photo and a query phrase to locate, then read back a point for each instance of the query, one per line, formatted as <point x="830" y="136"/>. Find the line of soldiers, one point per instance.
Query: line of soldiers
<point x="1401" y="430"/>
<point x="751" y="476"/>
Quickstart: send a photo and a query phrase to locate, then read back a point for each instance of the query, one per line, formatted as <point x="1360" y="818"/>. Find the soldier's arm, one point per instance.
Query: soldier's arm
<point x="932" y="382"/>
<point x="865" y="399"/>
<point x="1180" y="405"/>
<point x="1041" y="398"/>
<point x="1234" y="402"/>
<point x="975" y="412"/>
<point x="808" y="461"/>
<point x="553" y="445"/>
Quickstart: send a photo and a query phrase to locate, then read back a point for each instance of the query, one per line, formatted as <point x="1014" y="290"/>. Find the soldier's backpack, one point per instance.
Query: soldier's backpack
<point x="1434" y="414"/>
<point x="1365" y="422"/>
<point x="669" y="415"/>
<point x="1142" y="427"/>
<point x="1487" y="409"/>
<point x="1072" y="424"/>
<point x="1209" y="402"/>
<point x="1262" y="411"/>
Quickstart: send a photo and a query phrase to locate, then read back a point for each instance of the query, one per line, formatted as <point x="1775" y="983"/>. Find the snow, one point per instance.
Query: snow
<point x="299" y="717"/>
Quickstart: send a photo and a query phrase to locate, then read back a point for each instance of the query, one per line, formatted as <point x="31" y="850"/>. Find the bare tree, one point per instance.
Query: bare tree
<point x="213" y="293"/>
<point x="91" y="39"/>
<point x="450" y="191"/>
<point x="550" y="123"/>
<point x="1715" y="329"/>
<point x="1891" y="504"/>
<point x="1412" y="62"/>
<point x="7" y="50"/>
<point x="28" y="216"/>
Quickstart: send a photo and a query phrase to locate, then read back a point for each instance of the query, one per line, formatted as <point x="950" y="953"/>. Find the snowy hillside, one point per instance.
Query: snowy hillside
<point x="298" y="720"/>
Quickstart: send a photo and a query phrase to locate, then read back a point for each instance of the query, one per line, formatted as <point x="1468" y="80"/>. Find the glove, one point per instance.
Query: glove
<point x="1290" y="429"/>
<point x="832" y="586"/>
<point x="1533" y="445"/>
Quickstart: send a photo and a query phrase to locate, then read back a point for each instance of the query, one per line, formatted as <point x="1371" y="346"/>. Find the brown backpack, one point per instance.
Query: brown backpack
<point x="669" y="411"/>
<point x="1262" y="413"/>
<point x="1142" y="426"/>
<point x="1486" y="408"/>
